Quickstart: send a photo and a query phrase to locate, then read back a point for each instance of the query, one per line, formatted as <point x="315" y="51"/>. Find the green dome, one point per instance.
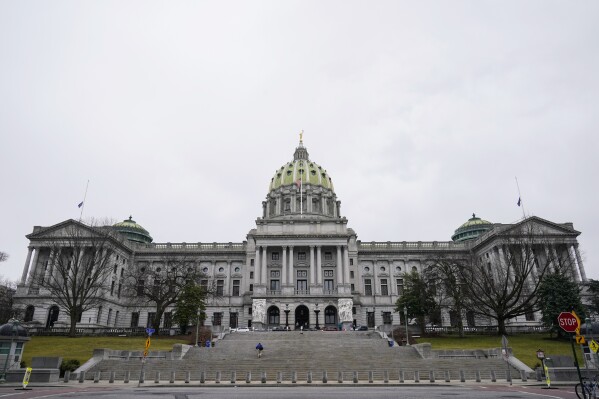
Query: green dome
<point x="133" y="231"/>
<point x="470" y="230"/>
<point x="301" y="168"/>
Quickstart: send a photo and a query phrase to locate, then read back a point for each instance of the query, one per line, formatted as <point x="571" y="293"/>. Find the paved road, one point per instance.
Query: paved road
<point x="301" y="392"/>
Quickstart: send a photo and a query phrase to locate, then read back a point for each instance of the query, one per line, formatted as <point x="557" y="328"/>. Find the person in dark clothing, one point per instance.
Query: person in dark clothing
<point x="259" y="348"/>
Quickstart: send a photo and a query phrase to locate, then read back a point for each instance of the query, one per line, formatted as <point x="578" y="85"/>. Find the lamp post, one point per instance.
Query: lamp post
<point x="316" y="310"/>
<point x="405" y="313"/>
<point x="286" y="316"/>
<point x="15" y="324"/>
<point x="197" y="326"/>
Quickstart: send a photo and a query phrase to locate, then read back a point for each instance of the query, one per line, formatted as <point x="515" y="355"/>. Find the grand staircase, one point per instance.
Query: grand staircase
<point x="295" y="354"/>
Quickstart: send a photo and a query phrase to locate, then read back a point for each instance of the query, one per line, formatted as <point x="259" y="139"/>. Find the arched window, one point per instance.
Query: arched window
<point x="29" y="313"/>
<point x="273" y="315"/>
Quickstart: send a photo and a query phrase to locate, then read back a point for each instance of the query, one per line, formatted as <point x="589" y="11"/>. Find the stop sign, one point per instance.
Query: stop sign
<point x="568" y="322"/>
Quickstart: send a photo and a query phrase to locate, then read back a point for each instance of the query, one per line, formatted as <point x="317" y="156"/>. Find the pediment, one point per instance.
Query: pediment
<point x="67" y="229"/>
<point x="540" y="226"/>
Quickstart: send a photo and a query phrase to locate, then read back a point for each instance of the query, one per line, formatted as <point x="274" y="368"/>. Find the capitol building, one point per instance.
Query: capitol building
<point x="301" y="265"/>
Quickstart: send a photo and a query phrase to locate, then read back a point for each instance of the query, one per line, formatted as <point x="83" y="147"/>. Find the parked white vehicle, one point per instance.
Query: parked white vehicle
<point x="243" y="329"/>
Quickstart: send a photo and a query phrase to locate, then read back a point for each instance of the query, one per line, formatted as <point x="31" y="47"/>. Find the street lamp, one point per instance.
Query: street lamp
<point x="405" y="313"/>
<point x="197" y="326"/>
<point x="287" y="316"/>
<point x="13" y="331"/>
<point x="316" y="310"/>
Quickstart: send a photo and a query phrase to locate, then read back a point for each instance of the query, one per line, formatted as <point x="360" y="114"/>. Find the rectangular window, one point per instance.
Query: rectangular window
<point x="18" y="351"/>
<point x="367" y="286"/>
<point x="351" y="262"/>
<point x="302" y="285"/>
<point x="328" y="273"/>
<point x="275" y="285"/>
<point x="111" y="288"/>
<point x="250" y="310"/>
<point x="301" y="256"/>
<point x="351" y="274"/>
<point x="218" y="319"/>
<point x="384" y="289"/>
<point x="235" y="287"/>
<point x="530" y="316"/>
<point x="274" y="256"/>
<point x="168" y="320"/>
<point x="251" y="262"/>
<point x="353" y="287"/>
<point x="151" y="316"/>
<point x="353" y="310"/>
<point x="328" y="256"/>
<point x="220" y="284"/>
<point x="204" y="285"/>
<point x="134" y="319"/>
<point x="118" y="293"/>
<point x="4" y="348"/>
<point x="399" y="282"/>
<point x="386" y="317"/>
<point x="140" y="288"/>
<point x="251" y="275"/>
<point x="251" y="287"/>
<point x="328" y="286"/>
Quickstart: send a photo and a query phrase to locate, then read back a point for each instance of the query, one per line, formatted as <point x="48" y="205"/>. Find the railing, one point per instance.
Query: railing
<point x="230" y="246"/>
<point x="302" y="292"/>
<point x="487" y="330"/>
<point x="104" y="331"/>
<point x="273" y="292"/>
<point x="413" y="245"/>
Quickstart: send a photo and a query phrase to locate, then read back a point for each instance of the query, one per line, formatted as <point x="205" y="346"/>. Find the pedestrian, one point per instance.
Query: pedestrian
<point x="259" y="348"/>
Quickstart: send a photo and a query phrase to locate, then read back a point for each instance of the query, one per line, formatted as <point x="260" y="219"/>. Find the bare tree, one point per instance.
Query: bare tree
<point x="7" y="292"/>
<point x="78" y="269"/>
<point x="505" y="284"/>
<point x="161" y="283"/>
<point x="450" y="290"/>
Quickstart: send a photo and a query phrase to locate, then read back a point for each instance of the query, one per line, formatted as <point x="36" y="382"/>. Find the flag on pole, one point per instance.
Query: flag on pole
<point x="298" y="183"/>
<point x="519" y="201"/>
<point x="80" y="204"/>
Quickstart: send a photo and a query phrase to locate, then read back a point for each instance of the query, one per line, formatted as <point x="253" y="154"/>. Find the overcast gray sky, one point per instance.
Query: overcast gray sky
<point x="179" y="113"/>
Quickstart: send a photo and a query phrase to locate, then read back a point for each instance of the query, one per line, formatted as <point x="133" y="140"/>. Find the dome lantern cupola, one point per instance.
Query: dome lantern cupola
<point x="301" y="187"/>
<point x="133" y="231"/>
<point x="470" y="230"/>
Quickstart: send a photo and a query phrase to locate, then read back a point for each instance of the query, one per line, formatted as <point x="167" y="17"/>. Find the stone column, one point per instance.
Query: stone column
<point x="339" y="266"/>
<point x="583" y="274"/>
<point x="257" y="271"/>
<point x="555" y="256"/>
<point x="26" y="267"/>
<point x="293" y="204"/>
<point x="227" y="288"/>
<point x="264" y="278"/>
<point x="291" y="272"/>
<point x="548" y="259"/>
<point x="34" y="265"/>
<point x="309" y="199"/>
<point x="312" y="263"/>
<point x="313" y="274"/>
<point x="319" y="263"/>
<point x="573" y="268"/>
<point x="346" y="266"/>
<point x="284" y="278"/>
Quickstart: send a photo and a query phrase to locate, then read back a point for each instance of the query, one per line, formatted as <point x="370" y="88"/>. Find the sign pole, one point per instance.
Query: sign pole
<point x="577" y="367"/>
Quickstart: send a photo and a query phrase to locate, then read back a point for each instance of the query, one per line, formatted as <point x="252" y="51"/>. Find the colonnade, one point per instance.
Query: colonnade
<point x="315" y="262"/>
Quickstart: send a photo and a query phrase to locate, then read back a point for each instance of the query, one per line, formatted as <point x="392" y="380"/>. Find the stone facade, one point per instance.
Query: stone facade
<point x="301" y="266"/>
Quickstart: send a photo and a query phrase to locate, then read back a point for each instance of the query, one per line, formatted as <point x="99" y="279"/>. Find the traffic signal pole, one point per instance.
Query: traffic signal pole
<point x="582" y="388"/>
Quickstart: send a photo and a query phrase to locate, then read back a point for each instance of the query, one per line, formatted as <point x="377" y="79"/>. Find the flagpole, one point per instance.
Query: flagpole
<point x="84" y="197"/>
<point x="520" y="202"/>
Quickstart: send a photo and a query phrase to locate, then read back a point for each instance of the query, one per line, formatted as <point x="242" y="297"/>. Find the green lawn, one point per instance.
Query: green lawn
<point x="524" y="346"/>
<point x="82" y="348"/>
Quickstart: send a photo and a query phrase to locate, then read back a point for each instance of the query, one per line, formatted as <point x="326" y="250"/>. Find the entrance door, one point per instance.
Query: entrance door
<point x="52" y="316"/>
<point x="302" y="317"/>
<point x="330" y="316"/>
<point x="370" y="319"/>
<point x="233" y="320"/>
